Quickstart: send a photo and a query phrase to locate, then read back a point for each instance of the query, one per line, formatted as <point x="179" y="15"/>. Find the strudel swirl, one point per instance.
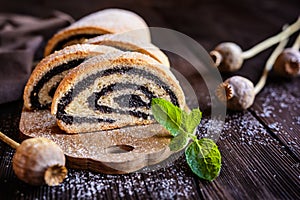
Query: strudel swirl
<point x="46" y="76"/>
<point x="113" y="91"/>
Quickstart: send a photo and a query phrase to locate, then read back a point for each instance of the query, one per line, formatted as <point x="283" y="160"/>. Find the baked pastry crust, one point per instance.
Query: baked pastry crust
<point x="71" y="98"/>
<point x="126" y="42"/>
<point x="53" y="62"/>
<point x="103" y="22"/>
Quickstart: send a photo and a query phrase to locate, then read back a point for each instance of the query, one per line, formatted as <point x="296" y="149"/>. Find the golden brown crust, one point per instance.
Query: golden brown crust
<point x="103" y="22"/>
<point x="67" y="33"/>
<point x="107" y="61"/>
<point x="128" y="42"/>
<point x="59" y="57"/>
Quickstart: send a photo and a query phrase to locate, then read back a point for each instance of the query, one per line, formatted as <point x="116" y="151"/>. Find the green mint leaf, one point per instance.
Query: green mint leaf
<point x="178" y="142"/>
<point x="191" y="120"/>
<point x="167" y="114"/>
<point x="203" y="156"/>
<point x="204" y="159"/>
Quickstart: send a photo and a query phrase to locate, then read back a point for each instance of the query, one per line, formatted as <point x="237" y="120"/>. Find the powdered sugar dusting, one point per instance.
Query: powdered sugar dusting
<point x="242" y="125"/>
<point x="280" y="111"/>
<point x="166" y="183"/>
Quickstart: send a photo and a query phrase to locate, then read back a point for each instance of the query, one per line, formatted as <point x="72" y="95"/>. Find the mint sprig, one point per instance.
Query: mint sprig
<point x="167" y="115"/>
<point x="203" y="156"/>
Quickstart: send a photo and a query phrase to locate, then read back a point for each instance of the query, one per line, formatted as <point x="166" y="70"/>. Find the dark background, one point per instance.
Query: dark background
<point x="245" y="22"/>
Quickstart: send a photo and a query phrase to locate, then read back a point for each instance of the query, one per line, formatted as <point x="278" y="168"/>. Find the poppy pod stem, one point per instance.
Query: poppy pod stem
<point x="289" y="30"/>
<point x="296" y="44"/>
<point x="9" y="141"/>
<point x="269" y="64"/>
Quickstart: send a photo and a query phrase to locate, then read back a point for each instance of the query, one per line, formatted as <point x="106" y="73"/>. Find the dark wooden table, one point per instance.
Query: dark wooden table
<point x="260" y="147"/>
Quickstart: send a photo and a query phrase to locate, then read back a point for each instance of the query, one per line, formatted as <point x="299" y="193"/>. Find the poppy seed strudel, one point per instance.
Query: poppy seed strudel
<point x="99" y="23"/>
<point x="46" y="76"/>
<point x="113" y="91"/>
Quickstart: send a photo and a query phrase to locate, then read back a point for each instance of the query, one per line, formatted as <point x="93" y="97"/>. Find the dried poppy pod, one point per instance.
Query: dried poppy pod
<point x="238" y="92"/>
<point x="38" y="161"/>
<point x="287" y="63"/>
<point x="229" y="57"/>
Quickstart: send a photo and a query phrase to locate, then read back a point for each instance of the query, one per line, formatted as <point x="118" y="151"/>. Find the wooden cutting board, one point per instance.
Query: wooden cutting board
<point x="116" y="151"/>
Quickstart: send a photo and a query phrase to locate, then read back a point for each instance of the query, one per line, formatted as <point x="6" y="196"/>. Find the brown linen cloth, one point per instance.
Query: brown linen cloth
<point x="22" y="38"/>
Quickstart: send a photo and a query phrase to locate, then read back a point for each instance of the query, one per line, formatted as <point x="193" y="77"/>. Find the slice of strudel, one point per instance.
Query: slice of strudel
<point x="113" y="91"/>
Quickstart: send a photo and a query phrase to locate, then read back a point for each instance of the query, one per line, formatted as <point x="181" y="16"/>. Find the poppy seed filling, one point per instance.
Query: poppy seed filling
<point x="128" y="101"/>
<point x="34" y="95"/>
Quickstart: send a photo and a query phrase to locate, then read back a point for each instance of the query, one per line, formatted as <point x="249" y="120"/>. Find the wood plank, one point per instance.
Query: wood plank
<point x="254" y="164"/>
<point x="278" y="107"/>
